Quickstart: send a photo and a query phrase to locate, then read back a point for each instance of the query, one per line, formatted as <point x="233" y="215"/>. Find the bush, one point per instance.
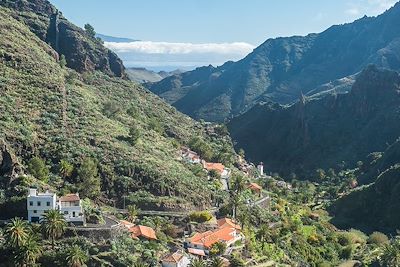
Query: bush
<point x="38" y="169"/>
<point x="200" y="216"/>
<point x="378" y="238"/>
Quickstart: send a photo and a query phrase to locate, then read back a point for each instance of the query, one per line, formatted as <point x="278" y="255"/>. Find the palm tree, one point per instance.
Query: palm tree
<point x="53" y="225"/>
<point x="198" y="263"/>
<point x="28" y="254"/>
<point x="238" y="183"/>
<point x="65" y="169"/>
<point x="16" y="233"/>
<point x="139" y="263"/>
<point x="216" y="262"/>
<point x="133" y="212"/>
<point x="391" y="254"/>
<point x="263" y="235"/>
<point x="76" y="257"/>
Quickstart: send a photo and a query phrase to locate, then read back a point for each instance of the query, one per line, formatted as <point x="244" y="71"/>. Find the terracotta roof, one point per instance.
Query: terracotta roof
<point x="174" y="257"/>
<point x="70" y="198"/>
<point x="219" y="167"/>
<point x="198" y="252"/>
<point x="209" y="238"/>
<point x="226" y="222"/>
<point x="144" y="231"/>
<point x="254" y="186"/>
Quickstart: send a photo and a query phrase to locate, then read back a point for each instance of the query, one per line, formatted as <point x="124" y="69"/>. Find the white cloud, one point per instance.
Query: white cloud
<point x="353" y="11"/>
<point x="165" y="54"/>
<point x="180" y="48"/>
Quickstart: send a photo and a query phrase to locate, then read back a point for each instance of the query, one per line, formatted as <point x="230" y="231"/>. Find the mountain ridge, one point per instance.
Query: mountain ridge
<point x="281" y="69"/>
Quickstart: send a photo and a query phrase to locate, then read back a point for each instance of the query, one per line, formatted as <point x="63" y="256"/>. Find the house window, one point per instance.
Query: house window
<point x="31" y="203"/>
<point x="35" y="211"/>
<point x="73" y="214"/>
<point x="66" y="212"/>
<point x="48" y="203"/>
<point x="39" y="203"/>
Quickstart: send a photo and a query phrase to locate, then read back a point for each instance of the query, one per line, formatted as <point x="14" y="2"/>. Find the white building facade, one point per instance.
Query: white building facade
<point x="69" y="205"/>
<point x="39" y="203"/>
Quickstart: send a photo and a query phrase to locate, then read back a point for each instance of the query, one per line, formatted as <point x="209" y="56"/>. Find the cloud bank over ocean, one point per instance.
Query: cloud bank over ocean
<point x="159" y="55"/>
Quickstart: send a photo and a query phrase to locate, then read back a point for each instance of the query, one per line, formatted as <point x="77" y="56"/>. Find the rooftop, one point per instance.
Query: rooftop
<point x="174" y="257"/>
<point x="219" y="167"/>
<point x="70" y="198"/>
<point x="144" y="231"/>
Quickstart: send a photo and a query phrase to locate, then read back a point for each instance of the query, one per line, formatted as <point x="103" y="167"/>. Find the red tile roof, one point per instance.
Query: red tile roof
<point x="70" y="198"/>
<point x="198" y="252"/>
<point x="209" y="238"/>
<point x="143" y="231"/>
<point x="254" y="186"/>
<point x="226" y="222"/>
<point x="219" y="167"/>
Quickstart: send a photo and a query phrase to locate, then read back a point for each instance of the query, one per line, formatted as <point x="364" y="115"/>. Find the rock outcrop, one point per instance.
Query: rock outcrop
<point x="82" y="52"/>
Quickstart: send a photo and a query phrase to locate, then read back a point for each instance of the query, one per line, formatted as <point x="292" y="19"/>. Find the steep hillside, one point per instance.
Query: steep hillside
<point x="53" y="112"/>
<point x="280" y="69"/>
<point x="336" y="129"/>
<point x="143" y="75"/>
<point x="82" y="51"/>
<point x="372" y="208"/>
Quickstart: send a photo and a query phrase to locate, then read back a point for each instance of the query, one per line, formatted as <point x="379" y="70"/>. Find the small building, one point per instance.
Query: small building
<point x="140" y="231"/>
<point x="227" y="222"/>
<point x="219" y="168"/>
<point x="190" y="156"/>
<point x="260" y="168"/>
<point x="227" y="232"/>
<point x="70" y="206"/>
<point x="176" y="259"/>
<point x="39" y="203"/>
<point x="255" y="188"/>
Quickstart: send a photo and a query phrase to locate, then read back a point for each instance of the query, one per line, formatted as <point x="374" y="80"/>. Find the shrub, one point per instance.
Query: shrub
<point x="200" y="216"/>
<point x="38" y="168"/>
<point x="378" y="238"/>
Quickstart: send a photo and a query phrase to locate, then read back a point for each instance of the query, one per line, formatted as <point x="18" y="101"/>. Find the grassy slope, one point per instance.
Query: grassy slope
<point x="42" y="112"/>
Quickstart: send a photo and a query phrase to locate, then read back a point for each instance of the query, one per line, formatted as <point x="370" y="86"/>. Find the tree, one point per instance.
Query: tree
<point x="238" y="183"/>
<point x="53" y="225"/>
<point x="75" y="257"/>
<point x="216" y="262"/>
<point x="236" y="261"/>
<point x="263" y="235"/>
<point x="134" y="135"/>
<point x="37" y="167"/>
<point x="90" y="30"/>
<point x="218" y="249"/>
<point x="133" y="212"/>
<point x="16" y="233"/>
<point x="89" y="178"/>
<point x="63" y="61"/>
<point x="198" y="263"/>
<point x="391" y="254"/>
<point x="65" y="169"/>
<point x="29" y="253"/>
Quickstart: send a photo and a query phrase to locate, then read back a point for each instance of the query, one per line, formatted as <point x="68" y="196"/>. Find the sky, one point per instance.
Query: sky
<point x="190" y="33"/>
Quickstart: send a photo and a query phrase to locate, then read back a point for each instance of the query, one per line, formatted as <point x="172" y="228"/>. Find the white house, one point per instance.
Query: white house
<point x="260" y="168"/>
<point x="176" y="259"/>
<point x="68" y="205"/>
<point x="39" y="203"/>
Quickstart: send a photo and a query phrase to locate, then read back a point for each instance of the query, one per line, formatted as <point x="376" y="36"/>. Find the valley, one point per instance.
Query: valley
<point x="288" y="157"/>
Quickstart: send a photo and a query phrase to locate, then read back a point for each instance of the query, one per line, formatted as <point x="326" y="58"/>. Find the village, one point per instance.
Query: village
<point x="211" y="236"/>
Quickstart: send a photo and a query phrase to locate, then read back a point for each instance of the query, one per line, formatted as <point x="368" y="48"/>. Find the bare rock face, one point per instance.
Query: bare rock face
<point x="9" y="165"/>
<point x="82" y="52"/>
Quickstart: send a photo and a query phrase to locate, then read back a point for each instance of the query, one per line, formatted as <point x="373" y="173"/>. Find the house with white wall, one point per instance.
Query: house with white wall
<point x="39" y="203"/>
<point x="69" y="205"/>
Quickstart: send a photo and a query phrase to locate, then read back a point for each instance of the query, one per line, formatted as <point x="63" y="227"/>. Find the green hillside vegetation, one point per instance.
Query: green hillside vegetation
<point x="114" y="134"/>
<point x="281" y="69"/>
<point x="371" y="208"/>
